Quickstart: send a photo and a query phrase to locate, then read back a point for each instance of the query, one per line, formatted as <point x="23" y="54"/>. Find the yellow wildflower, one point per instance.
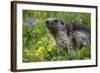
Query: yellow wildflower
<point x="50" y="47"/>
<point x="39" y="42"/>
<point x="40" y="49"/>
<point x="37" y="54"/>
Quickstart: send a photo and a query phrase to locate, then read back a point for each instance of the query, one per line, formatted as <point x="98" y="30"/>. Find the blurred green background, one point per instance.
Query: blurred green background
<point x="38" y="44"/>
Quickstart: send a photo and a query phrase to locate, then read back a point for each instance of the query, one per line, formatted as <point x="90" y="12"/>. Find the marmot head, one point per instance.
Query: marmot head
<point x="54" y="24"/>
<point x="57" y="28"/>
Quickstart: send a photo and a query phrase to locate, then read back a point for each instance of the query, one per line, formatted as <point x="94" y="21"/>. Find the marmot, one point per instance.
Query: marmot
<point x="68" y="35"/>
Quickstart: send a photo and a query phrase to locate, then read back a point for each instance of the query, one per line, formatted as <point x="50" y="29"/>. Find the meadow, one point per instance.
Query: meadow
<point x="38" y="44"/>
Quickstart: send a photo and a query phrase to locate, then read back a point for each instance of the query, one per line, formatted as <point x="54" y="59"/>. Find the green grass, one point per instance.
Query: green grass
<point x="38" y="44"/>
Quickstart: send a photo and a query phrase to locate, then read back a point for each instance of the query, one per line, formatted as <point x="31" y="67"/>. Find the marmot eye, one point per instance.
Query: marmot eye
<point x="62" y="22"/>
<point x="55" y="20"/>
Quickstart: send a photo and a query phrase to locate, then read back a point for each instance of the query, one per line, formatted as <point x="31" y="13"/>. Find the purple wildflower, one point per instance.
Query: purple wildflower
<point x="30" y="22"/>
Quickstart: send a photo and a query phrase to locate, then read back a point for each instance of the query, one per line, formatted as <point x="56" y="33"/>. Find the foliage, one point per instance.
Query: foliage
<point x="38" y="44"/>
